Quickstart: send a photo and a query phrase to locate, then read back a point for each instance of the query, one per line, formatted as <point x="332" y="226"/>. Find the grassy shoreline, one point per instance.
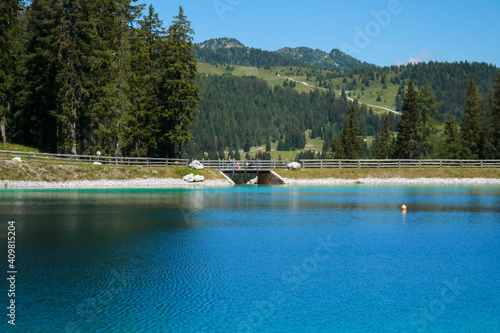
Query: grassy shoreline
<point x="34" y="171"/>
<point x="387" y="173"/>
<point x="45" y="172"/>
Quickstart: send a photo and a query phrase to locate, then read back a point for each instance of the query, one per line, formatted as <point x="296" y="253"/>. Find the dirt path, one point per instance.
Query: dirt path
<point x="349" y="98"/>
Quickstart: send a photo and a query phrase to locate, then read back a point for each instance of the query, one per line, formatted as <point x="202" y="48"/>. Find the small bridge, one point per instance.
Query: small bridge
<point x="263" y="169"/>
<point x="244" y="166"/>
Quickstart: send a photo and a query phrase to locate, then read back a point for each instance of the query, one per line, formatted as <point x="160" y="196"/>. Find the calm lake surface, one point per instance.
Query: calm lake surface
<point x="255" y="259"/>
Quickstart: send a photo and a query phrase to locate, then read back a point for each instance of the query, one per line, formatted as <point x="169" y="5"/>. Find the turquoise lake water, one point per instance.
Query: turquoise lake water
<point x="255" y="259"/>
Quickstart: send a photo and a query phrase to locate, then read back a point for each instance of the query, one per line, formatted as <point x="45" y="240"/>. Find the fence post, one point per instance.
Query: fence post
<point x="321" y="164"/>
<point x="340" y="164"/>
<point x="399" y="164"/>
<point x="441" y="164"/>
<point x="359" y="164"/>
<point x="481" y="164"/>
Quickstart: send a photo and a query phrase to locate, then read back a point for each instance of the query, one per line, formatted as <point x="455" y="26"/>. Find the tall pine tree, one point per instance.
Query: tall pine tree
<point x="383" y="147"/>
<point x="452" y="138"/>
<point x="10" y="54"/>
<point x="408" y="139"/>
<point x="37" y="123"/>
<point x="491" y="148"/>
<point x="179" y="93"/>
<point x="472" y="124"/>
<point x="147" y="46"/>
<point x="427" y="106"/>
<point x="348" y="146"/>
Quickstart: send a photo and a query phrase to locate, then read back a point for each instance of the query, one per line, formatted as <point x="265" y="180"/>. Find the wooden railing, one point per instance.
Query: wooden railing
<point x="89" y="159"/>
<point x="400" y="164"/>
<point x="244" y="165"/>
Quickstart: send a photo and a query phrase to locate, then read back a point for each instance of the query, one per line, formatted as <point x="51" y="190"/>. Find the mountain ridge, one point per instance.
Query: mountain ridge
<point x="233" y="52"/>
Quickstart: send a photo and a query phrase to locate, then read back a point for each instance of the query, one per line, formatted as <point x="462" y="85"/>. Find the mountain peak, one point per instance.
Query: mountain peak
<point x="217" y="43"/>
<point x="321" y="59"/>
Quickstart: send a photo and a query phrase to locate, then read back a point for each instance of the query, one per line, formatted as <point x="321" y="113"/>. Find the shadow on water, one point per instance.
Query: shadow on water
<point x="70" y="218"/>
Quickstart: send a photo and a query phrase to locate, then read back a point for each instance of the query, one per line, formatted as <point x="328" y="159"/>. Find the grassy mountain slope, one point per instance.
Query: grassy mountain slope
<point x="307" y="80"/>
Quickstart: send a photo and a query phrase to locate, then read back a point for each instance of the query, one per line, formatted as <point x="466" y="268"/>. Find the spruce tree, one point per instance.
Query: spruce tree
<point x="148" y="43"/>
<point x="427" y="106"/>
<point x="179" y="91"/>
<point x="37" y="123"/>
<point x="349" y="144"/>
<point x="10" y="52"/>
<point x="491" y="148"/>
<point x="472" y="124"/>
<point x="408" y="139"/>
<point x="338" y="149"/>
<point x="108" y="68"/>
<point x="452" y="138"/>
<point x="268" y="146"/>
<point x="383" y="147"/>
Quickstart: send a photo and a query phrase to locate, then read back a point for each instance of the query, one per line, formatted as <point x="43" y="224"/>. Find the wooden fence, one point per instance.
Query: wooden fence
<point x="245" y="165"/>
<point x="320" y="164"/>
<point x="89" y="159"/>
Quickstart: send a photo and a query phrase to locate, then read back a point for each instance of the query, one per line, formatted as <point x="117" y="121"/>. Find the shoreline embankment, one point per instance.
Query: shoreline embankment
<point x="32" y="175"/>
<point x="166" y="183"/>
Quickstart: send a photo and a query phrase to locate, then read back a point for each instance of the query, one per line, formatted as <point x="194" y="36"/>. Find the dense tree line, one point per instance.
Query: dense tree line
<point x="478" y="137"/>
<point x="87" y="75"/>
<point x="241" y="112"/>
<point x="447" y="80"/>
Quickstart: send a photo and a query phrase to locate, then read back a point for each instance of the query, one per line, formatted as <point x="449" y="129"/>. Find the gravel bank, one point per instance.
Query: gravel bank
<point x="394" y="181"/>
<point x="179" y="183"/>
<point x="110" y="184"/>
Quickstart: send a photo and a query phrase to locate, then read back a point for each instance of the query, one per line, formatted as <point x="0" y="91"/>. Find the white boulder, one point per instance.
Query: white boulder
<point x="199" y="178"/>
<point x="191" y="178"/>
<point x="16" y="159"/>
<point x="294" y="165"/>
<point x="97" y="163"/>
<point x="197" y="165"/>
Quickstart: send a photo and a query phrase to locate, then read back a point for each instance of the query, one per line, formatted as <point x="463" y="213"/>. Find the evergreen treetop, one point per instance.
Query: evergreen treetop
<point x="472" y="123"/>
<point x="408" y="139"/>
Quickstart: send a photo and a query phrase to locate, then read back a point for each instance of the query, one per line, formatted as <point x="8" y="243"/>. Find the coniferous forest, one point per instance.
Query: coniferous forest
<point x="88" y="75"/>
<point x="84" y="76"/>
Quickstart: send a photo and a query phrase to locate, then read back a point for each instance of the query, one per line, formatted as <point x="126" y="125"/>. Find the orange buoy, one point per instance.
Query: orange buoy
<point x="403" y="208"/>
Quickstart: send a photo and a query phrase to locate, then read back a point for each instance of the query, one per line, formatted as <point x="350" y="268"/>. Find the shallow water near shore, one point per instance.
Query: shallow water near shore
<point x="256" y="259"/>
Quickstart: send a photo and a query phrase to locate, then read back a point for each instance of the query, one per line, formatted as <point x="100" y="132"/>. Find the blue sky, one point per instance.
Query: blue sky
<point x="383" y="32"/>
